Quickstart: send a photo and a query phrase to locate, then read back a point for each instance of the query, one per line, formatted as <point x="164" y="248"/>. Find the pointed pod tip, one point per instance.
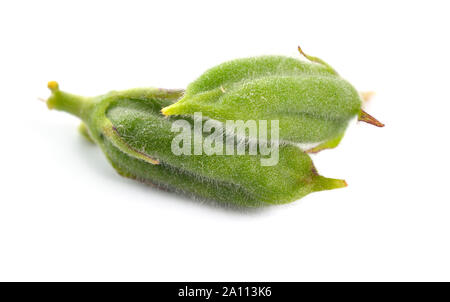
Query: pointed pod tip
<point x="367" y="118"/>
<point x="165" y="111"/>
<point x="337" y="183"/>
<point x="300" y="50"/>
<point x="169" y="110"/>
<point x="316" y="60"/>
<point x="323" y="183"/>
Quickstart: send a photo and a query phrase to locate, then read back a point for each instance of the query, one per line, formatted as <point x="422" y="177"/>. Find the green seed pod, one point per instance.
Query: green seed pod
<point x="311" y="101"/>
<point x="137" y="140"/>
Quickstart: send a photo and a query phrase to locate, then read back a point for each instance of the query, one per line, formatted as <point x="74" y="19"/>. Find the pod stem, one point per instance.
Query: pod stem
<point x="71" y="103"/>
<point x="367" y="118"/>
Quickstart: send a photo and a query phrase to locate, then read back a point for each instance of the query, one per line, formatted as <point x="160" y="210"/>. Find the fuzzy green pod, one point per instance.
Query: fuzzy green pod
<point x="311" y="101"/>
<point x="137" y="140"/>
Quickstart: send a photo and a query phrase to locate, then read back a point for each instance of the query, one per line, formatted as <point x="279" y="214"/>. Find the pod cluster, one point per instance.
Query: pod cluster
<point x="134" y="128"/>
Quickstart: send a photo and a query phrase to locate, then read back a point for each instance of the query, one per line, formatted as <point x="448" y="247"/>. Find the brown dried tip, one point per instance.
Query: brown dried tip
<point x="367" y="118"/>
<point x="301" y="51"/>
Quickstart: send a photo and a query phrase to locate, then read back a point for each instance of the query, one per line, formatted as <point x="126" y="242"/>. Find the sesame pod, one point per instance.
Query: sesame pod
<point x="137" y="140"/>
<point x="311" y="101"/>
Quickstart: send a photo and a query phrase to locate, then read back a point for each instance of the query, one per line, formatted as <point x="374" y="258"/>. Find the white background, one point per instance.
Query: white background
<point x="65" y="215"/>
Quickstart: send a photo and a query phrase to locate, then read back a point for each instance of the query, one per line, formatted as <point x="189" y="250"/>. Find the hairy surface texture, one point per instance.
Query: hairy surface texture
<point x="311" y="101"/>
<point x="136" y="139"/>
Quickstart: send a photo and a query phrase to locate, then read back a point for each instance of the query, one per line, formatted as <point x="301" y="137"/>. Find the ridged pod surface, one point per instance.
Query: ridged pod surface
<point x="312" y="103"/>
<point x="136" y="138"/>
